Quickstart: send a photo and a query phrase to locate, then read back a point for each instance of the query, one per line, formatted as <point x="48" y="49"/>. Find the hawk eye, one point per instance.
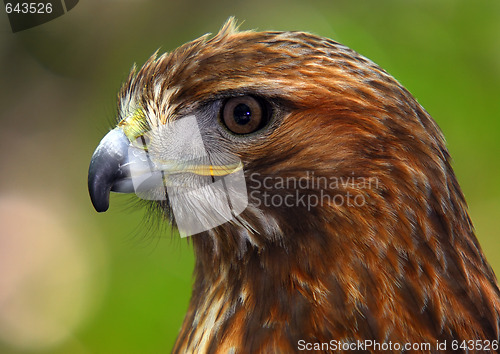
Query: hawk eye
<point x="243" y="115"/>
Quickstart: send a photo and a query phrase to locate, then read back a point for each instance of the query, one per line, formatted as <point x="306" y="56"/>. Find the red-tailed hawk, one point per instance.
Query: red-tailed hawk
<point x="351" y="228"/>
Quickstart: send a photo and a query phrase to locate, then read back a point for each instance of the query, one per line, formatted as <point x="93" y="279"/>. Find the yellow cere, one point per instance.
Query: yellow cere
<point x="134" y="125"/>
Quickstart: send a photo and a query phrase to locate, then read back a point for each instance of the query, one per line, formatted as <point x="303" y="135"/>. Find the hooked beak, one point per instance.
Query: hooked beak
<point x="108" y="170"/>
<point x="120" y="166"/>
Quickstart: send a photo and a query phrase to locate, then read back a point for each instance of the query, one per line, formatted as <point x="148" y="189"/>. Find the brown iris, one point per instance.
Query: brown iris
<point x="242" y="115"/>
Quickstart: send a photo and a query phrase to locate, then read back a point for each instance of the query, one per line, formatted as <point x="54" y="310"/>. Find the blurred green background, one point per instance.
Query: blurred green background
<point x="74" y="281"/>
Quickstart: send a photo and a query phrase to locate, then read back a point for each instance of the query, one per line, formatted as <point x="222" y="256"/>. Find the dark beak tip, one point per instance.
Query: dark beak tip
<point x="101" y="210"/>
<point x="100" y="207"/>
<point x="98" y="195"/>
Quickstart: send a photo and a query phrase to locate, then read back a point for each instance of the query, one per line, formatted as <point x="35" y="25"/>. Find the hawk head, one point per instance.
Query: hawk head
<point x="319" y="191"/>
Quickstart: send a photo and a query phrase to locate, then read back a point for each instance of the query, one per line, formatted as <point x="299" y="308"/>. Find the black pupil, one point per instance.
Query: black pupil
<point x="242" y="114"/>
